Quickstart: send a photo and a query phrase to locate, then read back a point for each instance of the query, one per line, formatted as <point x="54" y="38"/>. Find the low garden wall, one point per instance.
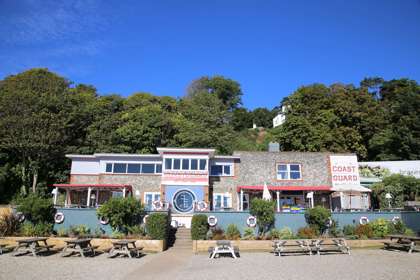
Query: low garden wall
<point x="267" y="245"/>
<point x="297" y="220"/>
<point x="104" y="244"/>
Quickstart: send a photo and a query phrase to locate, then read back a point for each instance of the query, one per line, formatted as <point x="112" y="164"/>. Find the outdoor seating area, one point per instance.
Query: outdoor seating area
<point x="403" y="242"/>
<point x="35" y="246"/>
<point x="223" y="247"/>
<point x="80" y="246"/>
<point x="310" y="247"/>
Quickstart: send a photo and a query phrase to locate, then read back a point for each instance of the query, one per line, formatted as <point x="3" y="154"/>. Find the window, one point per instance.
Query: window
<point x="120" y="167"/>
<point x="149" y="198"/>
<point x="185" y="164"/>
<point x="133" y="168"/>
<point x="148" y="168"/>
<point x="194" y="164"/>
<point x="177" y="163"/>
<point x="289" y="172"/>
<point x="220" y="170"/>
<point x="108" y="167"/>
<point x="222" y="201"/>
<point x="168" y="163"/>
<point x="184" y="201"/>
<point x="203" y="164"/>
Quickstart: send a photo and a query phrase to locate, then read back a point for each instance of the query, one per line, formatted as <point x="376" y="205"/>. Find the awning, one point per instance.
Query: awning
<point x="285" y="188"/>
<point x="94" y="186"/>
<point x="357" y="188"/>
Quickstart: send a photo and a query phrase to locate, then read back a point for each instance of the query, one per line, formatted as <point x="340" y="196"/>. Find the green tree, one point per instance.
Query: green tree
<point x="263" y="117"/>
<point x="402" y="188"/>
<point x="264" y="211"/>
<point x="227" y="90"/>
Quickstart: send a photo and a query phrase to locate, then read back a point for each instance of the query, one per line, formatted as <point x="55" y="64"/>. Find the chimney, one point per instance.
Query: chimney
<point x="274" y="147"/>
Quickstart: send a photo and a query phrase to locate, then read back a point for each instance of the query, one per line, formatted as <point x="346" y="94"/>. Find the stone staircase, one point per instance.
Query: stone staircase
<point x="183" y="239"/>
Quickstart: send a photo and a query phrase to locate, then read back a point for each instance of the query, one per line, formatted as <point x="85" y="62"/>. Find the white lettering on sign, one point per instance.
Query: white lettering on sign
<point x="344" y="171"/>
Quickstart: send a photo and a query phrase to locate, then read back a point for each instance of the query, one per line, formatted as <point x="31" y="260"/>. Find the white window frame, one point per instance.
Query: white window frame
<point x="223" y="169"/>
<point x="130" y="162"/>
<point x="288" y="171"/>
<point x="153" y="197"/>
<point x="189" y="164"/>
<point x="223" y="195"/>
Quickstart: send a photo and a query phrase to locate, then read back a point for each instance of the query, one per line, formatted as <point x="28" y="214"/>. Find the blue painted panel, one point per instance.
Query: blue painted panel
<point x="170" y="191"/>
<point x="77" y="216"/>
<point x="296" y="220"/>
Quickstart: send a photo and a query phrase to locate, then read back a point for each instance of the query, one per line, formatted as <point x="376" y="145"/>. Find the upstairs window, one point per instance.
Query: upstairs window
<point x="221" y="170"/>
<point x="134" y="168"/>
<point x="289" y="172"/>
<point x="185" y="164"/>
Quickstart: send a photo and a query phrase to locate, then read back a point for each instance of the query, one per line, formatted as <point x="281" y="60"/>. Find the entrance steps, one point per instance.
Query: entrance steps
<point x="183" y="239"/>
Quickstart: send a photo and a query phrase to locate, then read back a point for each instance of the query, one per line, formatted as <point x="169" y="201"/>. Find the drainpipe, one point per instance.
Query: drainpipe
<point x="88" y="196"/>
<point x="242" y="200"/>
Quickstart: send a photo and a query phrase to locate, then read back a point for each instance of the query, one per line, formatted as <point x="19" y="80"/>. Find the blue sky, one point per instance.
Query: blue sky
<point x="270" y="47"/>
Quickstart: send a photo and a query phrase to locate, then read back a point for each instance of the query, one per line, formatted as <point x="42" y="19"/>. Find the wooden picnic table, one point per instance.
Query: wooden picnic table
<point x="338" y="245"/>
<point x="282" y="247"/>
<point x="122" y="247"/>
<point x="32" y="245"/>
<point x="403" y="242"/>
<point x="80" y="245"/>
<point x="223" y="247"/>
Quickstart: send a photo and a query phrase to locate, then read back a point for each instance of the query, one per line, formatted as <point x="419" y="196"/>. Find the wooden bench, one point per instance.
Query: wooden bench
<point x="223" y="247"/>
<point x="283" y="247"/>
<point x="122" y="247"/>
<point x="80" y="246"/>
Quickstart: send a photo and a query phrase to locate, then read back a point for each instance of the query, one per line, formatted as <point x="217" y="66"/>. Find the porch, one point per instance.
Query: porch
<point x="289" y="199"/>
<point x="87" y="195"/>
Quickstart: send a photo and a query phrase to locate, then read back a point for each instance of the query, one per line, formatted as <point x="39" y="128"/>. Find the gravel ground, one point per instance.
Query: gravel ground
<point x="362" y="264"/>
<point x="56" y="267"/>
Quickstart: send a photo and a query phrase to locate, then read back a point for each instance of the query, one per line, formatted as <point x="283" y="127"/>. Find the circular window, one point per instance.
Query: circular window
<point x="184" y="201"/>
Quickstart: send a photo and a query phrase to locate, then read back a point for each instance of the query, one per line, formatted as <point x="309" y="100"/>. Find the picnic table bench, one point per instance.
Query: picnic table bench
<point x="80" y="246"/>
<point x="330" y="246"/>
<point x="282" y="247"/>
<point x="403" y="242"/>
<point x="32" y="245"/>
<point x="122" y="247"/>
<point x="223" y="247"/>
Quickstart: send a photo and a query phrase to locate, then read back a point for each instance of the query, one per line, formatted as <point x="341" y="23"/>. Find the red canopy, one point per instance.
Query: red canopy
<point x="98" y="186"/>
<point x="285" y="188"/>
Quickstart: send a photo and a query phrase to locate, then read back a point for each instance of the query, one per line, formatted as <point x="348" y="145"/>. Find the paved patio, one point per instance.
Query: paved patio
<point x="182" y="264"/>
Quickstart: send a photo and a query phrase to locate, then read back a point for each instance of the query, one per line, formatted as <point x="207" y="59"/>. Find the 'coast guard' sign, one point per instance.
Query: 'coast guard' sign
<point x="344" y="171"/>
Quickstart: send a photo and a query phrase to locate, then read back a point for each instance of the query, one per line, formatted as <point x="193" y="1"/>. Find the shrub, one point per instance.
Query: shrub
<point x="232" y="232"/>
<point x="9" y="224"/>
<point x="79" y="230"/>
<point x="317" y="218"/>
<point x="409" y="232"/>
<point x="363" y="231"/>
<point x="62" y="232"/>
<point x="137" y="230"/>
<point x="36" y="209"/>
<point x="396" y="228"/>
<point x="380" y="228"/>
<point x="199" y="227"/>
<point x="264" y="211"/>
<point x="307" y="233"/>
<point x="249" y="234"/>
<point x="157" y="226"/>
<point x="348" y="230"/>
<point x="284" y="233"/>
<point x="40" y="229"/>
<point x="218" y="234"/>
<point x="121" y="212"/>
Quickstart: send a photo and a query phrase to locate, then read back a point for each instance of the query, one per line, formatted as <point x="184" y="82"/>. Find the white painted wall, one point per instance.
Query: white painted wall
<point x="85" y="166"/>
